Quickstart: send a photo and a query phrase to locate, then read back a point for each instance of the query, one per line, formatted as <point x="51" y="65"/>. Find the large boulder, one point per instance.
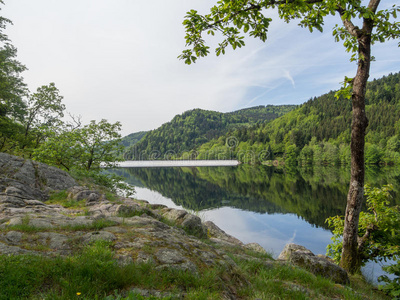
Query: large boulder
<point x="34" y="174"/>
<point x="318" y="265"/>
<point x="23" y="179"/>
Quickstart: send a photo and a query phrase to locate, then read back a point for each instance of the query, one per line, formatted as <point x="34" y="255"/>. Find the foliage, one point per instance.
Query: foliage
<point x="12" y="91"/>
<point x="391" y="286"/>
<point x="133" y="138"/>
<point x="379" y="233"/>
<point x="234" y="19"/>
<point x="189" y="130"/>
<point x="83" y="147"/>
<point x="43" y="114"/>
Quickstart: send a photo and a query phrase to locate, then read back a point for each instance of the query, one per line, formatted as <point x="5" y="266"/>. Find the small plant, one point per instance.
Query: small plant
<point x="379" y="234"/>
<point x="391" y="286"/>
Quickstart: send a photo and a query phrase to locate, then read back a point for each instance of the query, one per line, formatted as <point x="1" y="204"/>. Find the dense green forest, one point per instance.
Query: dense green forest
<point x="318" y="131"/>
<point x="196" y="127"/>
<point x="132" y="139"/>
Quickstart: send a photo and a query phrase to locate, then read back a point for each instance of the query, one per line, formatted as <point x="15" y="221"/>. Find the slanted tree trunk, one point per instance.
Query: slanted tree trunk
<point x="351" y="260"/>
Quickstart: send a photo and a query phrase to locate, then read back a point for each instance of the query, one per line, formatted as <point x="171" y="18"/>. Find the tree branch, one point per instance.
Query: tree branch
<point x="362" y="240"/>
<point x="373" y="5"/>
<point x="259" y="7"/>
<point x="351" y="28"/>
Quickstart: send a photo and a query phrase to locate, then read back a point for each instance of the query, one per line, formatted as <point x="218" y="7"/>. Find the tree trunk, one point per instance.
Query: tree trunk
<point x="351" y="260"/>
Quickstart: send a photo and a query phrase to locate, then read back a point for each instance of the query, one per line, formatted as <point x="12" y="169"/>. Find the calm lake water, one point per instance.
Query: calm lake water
<point x="261" y="204"/>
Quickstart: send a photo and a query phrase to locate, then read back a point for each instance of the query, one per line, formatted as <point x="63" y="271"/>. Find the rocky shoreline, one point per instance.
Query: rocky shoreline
<point x="139" y="232"/>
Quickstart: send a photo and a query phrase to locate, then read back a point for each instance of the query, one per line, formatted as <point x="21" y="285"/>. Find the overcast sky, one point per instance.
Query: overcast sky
<point x="117" y="60"/>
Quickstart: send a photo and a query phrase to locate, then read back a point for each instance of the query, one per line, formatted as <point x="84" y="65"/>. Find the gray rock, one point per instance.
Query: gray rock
<point x="92" y="199"/>
<point x="34" y="203"/>
<point x="40" y="223"/>
<point x="14" y="250"/>
<point x="144" y="258"/>
<point x="219" y="235"/>
<point x="79" y="193"/>
<point x="128" y="210"/>
<point x="98" y="235"/>
<point x="54" y="240"/>
<point x="115" y="229"/>
<point x="256" y="248"/>
<point x="194" y="225"/>
<point x="304" y="258"/>
<point x="33" y="174"/>
<point x="173" y="214"/>
<point x="13" y="237"/>
<point x="11" y="201"/>
<point x="169" y="256"/>
<point x="54" y="178"/>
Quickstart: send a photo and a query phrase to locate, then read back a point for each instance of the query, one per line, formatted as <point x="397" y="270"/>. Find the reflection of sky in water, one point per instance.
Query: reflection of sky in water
<point x="272" y="232"/>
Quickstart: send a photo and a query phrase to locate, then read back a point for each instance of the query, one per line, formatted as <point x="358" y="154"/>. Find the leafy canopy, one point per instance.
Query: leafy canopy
<point x="83" y="147"/>
<point x="233" y="19"/>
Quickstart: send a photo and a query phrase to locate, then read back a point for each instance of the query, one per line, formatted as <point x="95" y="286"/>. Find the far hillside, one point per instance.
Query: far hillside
<point x="318" y="132"/>
<point x="133" y="138"/>
<point x="193" y="128"/>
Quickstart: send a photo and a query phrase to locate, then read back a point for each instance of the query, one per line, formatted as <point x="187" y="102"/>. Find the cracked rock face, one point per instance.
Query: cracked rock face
<point x="24" y="180"/>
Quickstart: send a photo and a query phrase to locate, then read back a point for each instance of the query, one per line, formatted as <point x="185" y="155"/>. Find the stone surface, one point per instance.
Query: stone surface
<point x="256" y="248"/>
<point x="33" y="174"/>
<point x="219" y="235"/>
<point x="304" y="258"/>
<point x="98" y="235"/>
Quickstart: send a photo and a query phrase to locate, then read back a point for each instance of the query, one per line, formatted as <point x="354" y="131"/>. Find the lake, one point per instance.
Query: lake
<point x="263" y="204"/>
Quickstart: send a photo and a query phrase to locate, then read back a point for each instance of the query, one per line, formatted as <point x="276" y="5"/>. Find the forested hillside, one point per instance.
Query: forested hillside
<point x="133" y="138"/>
<point x="189" y="130"/>
<point x="319" y="131"/>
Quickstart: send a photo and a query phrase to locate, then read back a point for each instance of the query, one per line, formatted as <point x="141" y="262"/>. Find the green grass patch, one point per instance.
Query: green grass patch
<point x="58" y="195"/>
<point x="93" y="273"/>
<point x="69" y="203"/>
<point x="61" y="198"/>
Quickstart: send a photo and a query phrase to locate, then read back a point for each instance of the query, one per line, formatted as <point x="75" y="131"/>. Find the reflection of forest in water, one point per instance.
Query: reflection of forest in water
<point x="313" y="194"/>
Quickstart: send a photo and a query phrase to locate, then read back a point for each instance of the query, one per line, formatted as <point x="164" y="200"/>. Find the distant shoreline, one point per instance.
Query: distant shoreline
<point x="177" y="163"/>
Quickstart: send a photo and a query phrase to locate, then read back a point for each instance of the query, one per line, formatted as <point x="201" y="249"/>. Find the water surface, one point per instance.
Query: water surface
<point x="262" y="204"/>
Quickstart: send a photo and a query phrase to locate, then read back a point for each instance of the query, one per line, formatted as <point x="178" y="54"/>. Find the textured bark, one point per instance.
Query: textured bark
<point x="351" y="260"/>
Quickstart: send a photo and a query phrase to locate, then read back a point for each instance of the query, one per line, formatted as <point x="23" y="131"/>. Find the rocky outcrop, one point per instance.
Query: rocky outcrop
<point x="138" y="231"/>
<point x="316" y="264"/>
<point x="24" y="181"/>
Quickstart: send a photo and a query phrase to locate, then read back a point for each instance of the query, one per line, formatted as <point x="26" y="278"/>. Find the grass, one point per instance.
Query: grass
<point x="93" y="273"/>
<point x="61" y="198"/>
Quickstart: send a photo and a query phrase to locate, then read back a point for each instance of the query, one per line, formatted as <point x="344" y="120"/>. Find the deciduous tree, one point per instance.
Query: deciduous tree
<point x="233" y="19"/>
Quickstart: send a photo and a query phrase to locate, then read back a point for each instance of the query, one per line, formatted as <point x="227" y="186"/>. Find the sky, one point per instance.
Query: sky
<point x="117" y="60"/>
